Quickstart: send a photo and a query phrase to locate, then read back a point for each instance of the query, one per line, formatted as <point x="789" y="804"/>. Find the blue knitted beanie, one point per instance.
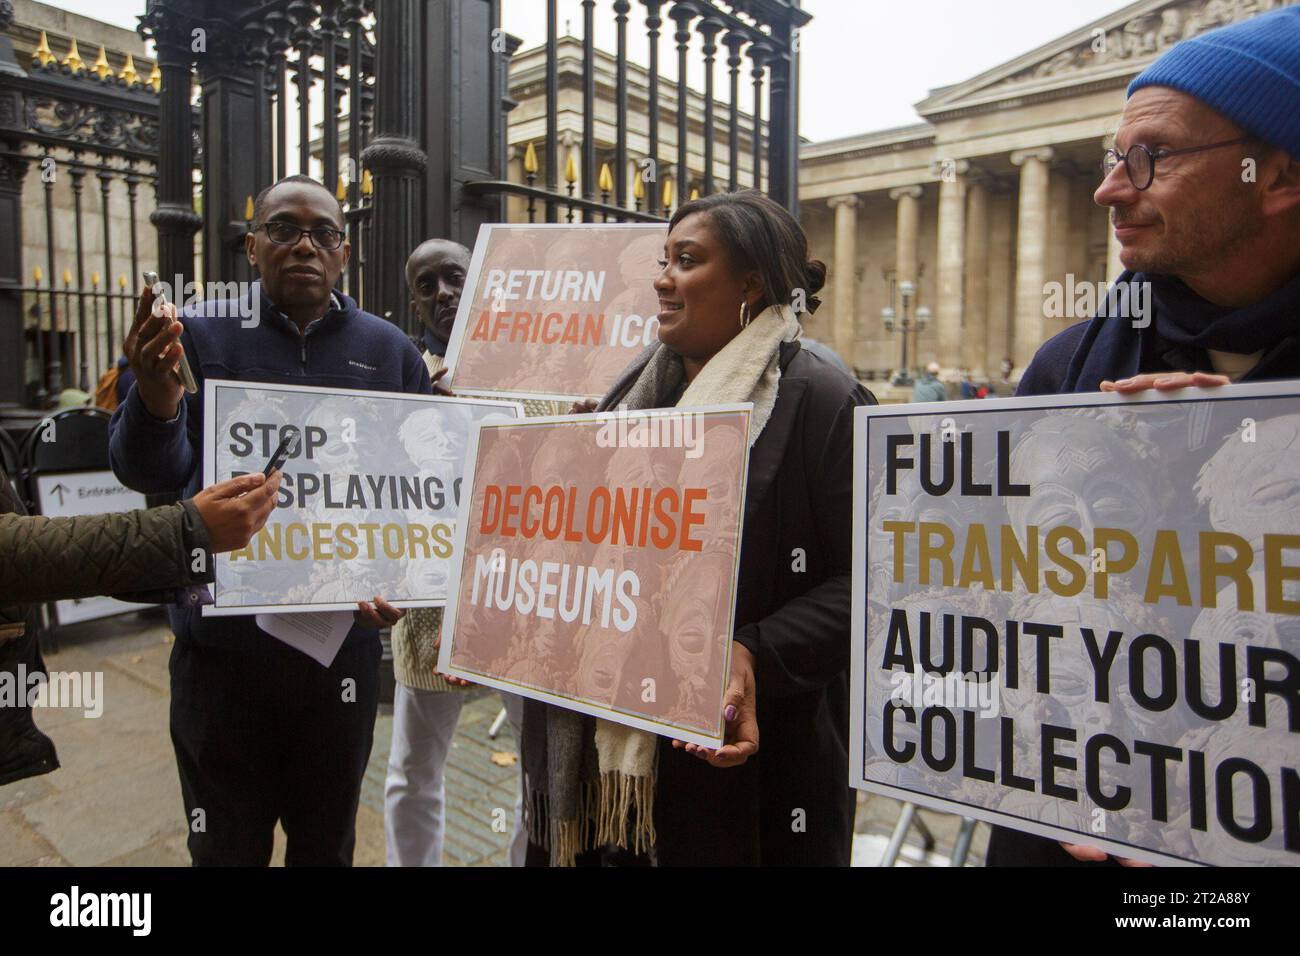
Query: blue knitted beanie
<point x="1248" y="71"/>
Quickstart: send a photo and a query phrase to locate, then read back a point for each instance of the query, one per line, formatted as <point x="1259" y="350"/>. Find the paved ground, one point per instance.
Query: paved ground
<point x="116" y="799"/>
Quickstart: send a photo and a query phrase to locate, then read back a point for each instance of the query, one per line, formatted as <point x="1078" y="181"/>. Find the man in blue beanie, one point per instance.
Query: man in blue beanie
<point x="1204" y="190"/>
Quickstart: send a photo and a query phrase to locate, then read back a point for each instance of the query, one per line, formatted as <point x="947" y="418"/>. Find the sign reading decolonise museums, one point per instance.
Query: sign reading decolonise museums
<point x="555" y="311"/>
<point x="1080" y="617"/>
<point x="368" y="501"/>
<point x="596" y="564"/>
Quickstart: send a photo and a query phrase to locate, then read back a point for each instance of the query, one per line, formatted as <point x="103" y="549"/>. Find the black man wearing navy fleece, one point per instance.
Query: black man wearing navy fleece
<point x="262" y="732"/>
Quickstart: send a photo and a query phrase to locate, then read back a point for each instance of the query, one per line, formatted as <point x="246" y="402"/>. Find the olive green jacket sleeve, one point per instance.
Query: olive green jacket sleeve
<point x="131" y="554"/>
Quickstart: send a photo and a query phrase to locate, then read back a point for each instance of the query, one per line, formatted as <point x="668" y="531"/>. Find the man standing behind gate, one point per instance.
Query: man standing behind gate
<point x="262" y="732"/>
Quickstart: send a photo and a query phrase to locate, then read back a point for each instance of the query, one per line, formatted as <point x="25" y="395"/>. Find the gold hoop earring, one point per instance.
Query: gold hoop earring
<point x="744" y="314"/>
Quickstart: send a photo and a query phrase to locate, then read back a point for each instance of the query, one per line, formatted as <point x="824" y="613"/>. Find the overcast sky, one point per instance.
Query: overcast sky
<point x="864" y="63"/>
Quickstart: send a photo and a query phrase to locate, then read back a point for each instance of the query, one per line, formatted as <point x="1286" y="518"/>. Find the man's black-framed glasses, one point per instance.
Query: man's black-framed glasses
<point x="1140" y="162"/>
<point x="283" y="233"/>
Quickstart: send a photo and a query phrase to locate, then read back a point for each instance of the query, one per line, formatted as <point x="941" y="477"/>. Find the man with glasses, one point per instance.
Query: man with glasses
<point x="1203" y="185"/>
<point x="263" y="733"/>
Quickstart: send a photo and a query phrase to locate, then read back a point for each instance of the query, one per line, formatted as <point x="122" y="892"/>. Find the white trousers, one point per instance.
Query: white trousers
<point x="415" y="809"/>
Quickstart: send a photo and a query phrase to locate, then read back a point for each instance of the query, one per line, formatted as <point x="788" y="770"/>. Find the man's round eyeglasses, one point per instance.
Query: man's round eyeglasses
<point x="287" y="234"/>
<point x="1140" y="162"/>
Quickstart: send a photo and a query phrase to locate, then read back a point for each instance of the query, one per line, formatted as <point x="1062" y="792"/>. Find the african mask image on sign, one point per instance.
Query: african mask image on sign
<point x="368" y="501"/>
<point x="597" y="561"/>
<point x="555" y="311"/>
<point x="1078" y="617"/>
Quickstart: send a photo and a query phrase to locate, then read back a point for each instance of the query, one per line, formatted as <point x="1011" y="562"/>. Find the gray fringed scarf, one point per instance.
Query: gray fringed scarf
<point x="591" y="781"/>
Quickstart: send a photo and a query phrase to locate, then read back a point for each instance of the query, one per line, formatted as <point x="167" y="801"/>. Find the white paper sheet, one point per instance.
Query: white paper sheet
<point x="318" y="635"/>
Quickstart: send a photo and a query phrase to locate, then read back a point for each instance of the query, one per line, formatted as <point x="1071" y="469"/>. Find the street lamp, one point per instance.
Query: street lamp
<point x="905" y="324"/>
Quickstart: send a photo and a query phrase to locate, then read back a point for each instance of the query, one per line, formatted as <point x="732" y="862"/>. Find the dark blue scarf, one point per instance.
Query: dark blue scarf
<point x="1182" y="327"/>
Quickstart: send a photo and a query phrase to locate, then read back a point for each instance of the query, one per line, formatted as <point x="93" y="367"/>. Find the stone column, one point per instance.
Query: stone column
<point x="845" y="275"/>
<point x="1001" y="289"/>
<point x="974" y="351"/>
<point x="1031" y="250"/>
<point x="909" y="218"/>
<point x="949" y="317"/>
<point x="1058" y="224"/>
<point x="1058" y="243"/>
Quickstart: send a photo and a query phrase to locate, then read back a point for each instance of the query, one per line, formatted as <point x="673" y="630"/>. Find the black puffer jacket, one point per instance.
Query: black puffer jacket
<point x="135" y="555"/>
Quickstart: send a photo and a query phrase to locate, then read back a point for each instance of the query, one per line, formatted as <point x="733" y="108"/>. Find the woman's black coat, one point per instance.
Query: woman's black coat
<point x="791" y="803"/>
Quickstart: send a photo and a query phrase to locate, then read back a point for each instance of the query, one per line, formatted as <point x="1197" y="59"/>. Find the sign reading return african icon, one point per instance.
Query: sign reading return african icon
<point x="1080" y="617"/>
<point x="368" y="501"/>
<point x="596" y="564"/>
<point x="555" y="311"/>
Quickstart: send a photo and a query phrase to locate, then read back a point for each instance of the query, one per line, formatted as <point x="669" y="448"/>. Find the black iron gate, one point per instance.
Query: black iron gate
<point x="83" y="135"/>
<point x="401" y="105"/>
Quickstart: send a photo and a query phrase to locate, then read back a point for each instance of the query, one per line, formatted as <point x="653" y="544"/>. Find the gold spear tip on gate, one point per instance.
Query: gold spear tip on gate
<point x="155" y="79"/>
<point x="128" y="73"/>
<point x="570" y="171"/>
<point x="43" y="54"/>
<point x="341" y="190"/>
<point x="67" y="277"/>
<point x="695" y="193"/>
<point x="248" y="208"/>
<point x="638" y="188"/>
<point x="367" y="183"/>
<point x="94" y="280"/>
<point x="36" y="274"/>
<point x="668" y="193"/>
<point x="102" y="69"/>
<point x="121" y="280"/>
<point x="73" y="60"/>
<point x="606" y="179"/>
<point x="530" y="159"/>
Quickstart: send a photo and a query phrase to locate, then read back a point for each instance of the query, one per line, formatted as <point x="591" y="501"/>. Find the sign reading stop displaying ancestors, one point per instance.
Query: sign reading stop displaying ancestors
<point x="1079" y="616"/>
<point x="555" y="311"/>
<point x="368" y="501"/>
<point x="596" y="562"/>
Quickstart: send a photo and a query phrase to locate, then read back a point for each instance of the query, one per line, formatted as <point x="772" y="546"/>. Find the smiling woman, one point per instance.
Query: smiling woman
<point x="733" y="266"/>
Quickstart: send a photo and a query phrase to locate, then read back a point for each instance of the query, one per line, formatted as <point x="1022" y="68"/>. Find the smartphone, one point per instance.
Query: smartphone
<point x="287" y="448"/>
<point x="183" y="372"/>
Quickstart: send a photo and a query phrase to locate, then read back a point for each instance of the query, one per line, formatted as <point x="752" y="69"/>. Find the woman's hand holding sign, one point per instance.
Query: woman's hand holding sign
<point x="740" y="708"/>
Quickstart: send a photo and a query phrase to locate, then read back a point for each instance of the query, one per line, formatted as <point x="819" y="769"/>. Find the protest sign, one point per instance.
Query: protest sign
<point x="555" y="311"/>
<point x="596" y="561"/>
<point x="1077" y="616"/>
<point x="368" y="501"/>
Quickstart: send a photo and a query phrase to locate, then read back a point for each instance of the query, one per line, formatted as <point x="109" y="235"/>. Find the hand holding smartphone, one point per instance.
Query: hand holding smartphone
<point x="287" y="448"/>
<point x="183" y="372"/>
